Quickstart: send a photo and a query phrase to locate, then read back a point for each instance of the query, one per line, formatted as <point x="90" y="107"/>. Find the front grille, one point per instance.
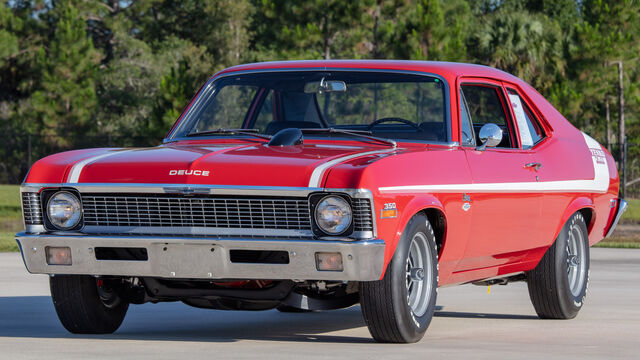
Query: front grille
<point x="164" y="211"/>
<point x="31" y="209"/>
<point x="215" y="212"/>
<point x="362" y="215"/>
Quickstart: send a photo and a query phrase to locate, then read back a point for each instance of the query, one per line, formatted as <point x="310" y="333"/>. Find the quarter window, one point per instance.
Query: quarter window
<point x="528" y="125"/>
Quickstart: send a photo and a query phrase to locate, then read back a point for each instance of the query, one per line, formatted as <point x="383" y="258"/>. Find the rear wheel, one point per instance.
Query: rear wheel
<point x="399" y="307"/>
<point x="558" y="285"/>
<point x="86" y="305"/>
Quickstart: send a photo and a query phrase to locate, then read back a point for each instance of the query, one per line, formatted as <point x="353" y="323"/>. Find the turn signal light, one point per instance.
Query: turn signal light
<point x="58" y="255"/>
<point x="329" y="261"/>
<point x="389" y="213"/>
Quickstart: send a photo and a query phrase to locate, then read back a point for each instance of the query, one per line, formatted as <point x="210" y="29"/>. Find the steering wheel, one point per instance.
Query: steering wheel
<point x="398" y="119"/>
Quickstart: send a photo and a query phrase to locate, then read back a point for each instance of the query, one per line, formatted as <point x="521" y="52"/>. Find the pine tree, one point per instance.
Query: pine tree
<point x="319" y="29"/>
<point x="524" y="44"/>
<point x="8" y="38"/>
<point x="435" y="30"/>
<point x="66" y="102"/>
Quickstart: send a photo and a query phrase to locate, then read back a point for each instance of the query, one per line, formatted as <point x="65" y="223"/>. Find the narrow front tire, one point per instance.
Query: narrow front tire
<point x="399" y="308"/>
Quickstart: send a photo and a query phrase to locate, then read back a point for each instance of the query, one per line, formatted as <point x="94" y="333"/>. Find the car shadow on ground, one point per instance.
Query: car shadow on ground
<point x="35" y="317"/>
<point x="470" y="315"/>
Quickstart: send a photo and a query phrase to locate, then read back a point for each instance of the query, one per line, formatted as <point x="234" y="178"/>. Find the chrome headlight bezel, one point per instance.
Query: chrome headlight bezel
<point x="76" y="202"/>
<point x="346" y="226"/>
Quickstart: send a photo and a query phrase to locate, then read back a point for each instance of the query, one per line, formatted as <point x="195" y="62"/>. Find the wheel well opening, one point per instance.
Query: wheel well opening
<point x="587" y="213"/>
<point x="439" y="224"/>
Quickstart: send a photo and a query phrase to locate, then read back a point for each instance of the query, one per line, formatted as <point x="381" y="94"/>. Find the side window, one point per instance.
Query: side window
<point x="528" y="125"/>
<point x="466" y="130"/>
<point x="486" y="105"/>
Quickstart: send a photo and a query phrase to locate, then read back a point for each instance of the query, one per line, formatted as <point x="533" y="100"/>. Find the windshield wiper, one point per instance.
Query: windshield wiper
<point x="249" y="132"/>
<point x="355" y="133"/>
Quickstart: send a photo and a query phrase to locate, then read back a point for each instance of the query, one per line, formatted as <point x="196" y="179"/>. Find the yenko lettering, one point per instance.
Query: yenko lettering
<point x="189" y="172"/>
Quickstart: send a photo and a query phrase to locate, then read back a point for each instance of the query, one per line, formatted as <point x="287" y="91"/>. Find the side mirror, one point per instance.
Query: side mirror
<point x="490" y="135"/>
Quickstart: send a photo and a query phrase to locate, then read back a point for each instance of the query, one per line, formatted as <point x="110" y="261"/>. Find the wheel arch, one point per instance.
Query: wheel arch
<point x="585" y="206"/>
<point x="438" y="221"/>
<point x="432" y="208"/>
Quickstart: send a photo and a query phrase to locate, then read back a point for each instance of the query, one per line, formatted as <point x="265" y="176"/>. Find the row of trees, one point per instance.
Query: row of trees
<point x="76" y="73"/>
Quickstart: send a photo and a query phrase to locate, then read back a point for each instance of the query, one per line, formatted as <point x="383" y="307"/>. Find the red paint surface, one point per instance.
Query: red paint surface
<point x="501" y="233"/>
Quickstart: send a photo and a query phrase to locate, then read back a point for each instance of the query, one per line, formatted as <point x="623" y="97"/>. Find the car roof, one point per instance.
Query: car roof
<point x="450" y="70"/>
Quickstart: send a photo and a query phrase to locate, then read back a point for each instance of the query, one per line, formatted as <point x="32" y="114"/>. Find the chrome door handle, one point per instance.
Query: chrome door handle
<point x="535" y="165"/>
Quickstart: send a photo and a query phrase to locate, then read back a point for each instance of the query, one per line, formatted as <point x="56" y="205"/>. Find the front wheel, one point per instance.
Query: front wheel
<point x="86" y="305"/>
<point x="558" y="285"/>
<point x="399" y="308"/>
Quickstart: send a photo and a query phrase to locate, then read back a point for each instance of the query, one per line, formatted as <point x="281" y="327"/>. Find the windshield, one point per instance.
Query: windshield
<point x="388" y="105"/>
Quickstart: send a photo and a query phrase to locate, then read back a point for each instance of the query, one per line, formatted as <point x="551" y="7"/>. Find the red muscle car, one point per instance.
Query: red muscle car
<point x="317" y="185"/>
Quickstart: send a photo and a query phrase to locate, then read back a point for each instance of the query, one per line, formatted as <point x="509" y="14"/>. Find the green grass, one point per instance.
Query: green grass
<point x="7" y="242"/>
<point x="632" y="215"/>
<point x="9" y="202"/>
<point x="618" y="244"/>
<point x="10" y="216"/>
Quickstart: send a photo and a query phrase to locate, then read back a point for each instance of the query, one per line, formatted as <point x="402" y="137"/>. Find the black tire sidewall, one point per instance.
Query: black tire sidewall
<point x="569" y="303"/>
<point x="79" y="307"/>
<point x="412" y="327"/>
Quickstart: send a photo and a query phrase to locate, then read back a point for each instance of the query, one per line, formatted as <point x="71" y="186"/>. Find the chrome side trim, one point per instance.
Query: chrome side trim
<point x="205" y="258"/>
<point x="622" y="207"/>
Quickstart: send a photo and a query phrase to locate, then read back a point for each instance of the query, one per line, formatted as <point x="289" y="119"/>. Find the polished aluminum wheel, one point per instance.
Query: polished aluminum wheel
<point x="576" y="260"/>
<point x="419" y="279"/>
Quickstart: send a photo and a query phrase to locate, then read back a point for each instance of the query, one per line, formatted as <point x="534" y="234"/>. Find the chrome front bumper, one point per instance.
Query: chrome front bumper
<point x="204" y="258"/>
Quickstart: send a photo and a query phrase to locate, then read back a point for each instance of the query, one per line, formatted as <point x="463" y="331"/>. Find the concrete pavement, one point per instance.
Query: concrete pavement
<point x="470" y="324"/>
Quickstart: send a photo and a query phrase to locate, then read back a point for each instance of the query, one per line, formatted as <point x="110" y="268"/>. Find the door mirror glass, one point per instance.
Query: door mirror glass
<point x="490" y="135"/>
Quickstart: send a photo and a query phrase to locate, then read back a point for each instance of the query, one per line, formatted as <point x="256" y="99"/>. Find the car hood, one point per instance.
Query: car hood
<point x="214" y="164"/>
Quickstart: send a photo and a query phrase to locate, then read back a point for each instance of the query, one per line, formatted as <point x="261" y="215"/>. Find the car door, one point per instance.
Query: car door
<point x="506" y="211"/>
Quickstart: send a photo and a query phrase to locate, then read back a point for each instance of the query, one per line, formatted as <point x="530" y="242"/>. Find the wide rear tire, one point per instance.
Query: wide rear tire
<point x="85" y="308"/>
<point x="399" y="308"/>
<point x="558" y="285"/>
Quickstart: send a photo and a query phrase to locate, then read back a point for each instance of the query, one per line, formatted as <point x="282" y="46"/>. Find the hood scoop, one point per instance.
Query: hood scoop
<point x="286" y="137"/>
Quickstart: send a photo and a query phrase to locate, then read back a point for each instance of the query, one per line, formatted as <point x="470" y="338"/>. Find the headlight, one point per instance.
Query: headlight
<point x="64" y="210"/>
<point x="333" y="215"/>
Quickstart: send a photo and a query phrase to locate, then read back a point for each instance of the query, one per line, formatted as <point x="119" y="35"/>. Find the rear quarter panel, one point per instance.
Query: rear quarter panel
<point x="566" y="156"/>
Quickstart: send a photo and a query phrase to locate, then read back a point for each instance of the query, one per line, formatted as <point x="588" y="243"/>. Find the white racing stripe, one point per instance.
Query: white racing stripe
<point x="318" y="173"/>
<point x="77" y="168"/>
<point x="599" y="184"/>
